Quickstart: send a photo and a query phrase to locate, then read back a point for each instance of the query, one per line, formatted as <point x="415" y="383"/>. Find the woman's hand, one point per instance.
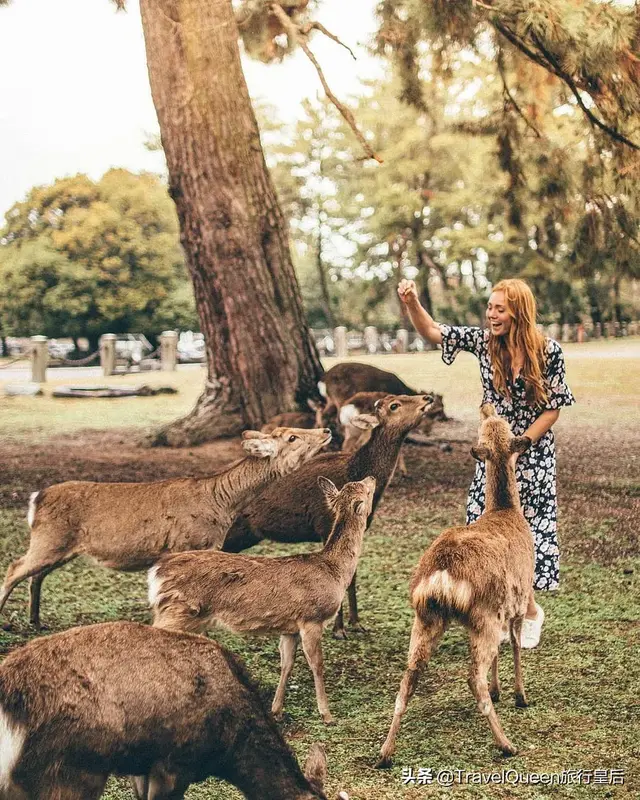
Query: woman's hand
<point x="426" y="326"/>
<point x="408" y="292"/>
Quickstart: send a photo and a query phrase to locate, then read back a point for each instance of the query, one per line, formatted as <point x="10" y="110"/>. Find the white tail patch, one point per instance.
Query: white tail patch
<point x="347" y="413"/>
<point x="444" y="589"/>
<point x="31" y="512"/>
<point x="155" y="585"/>
<point x="11" y="741"/>
<point x="322" y="388"/>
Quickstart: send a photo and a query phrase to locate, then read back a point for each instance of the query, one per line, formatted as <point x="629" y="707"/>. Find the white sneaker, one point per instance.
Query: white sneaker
<point x="531" y="630"/>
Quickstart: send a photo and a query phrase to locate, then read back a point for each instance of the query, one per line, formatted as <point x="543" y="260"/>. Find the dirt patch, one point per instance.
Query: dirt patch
<point x="598" y="477"/>
<point x="102" y="456"/>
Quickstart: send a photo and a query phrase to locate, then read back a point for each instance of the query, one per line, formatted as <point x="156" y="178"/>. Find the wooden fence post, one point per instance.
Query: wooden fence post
<point x="108" y="353"/>
<point x="39" y="358"/>
<point x="168" y="350"/>
<point x="340" y="341"/>
<point x="371" y="339"/>
<point x="402" y="340"/>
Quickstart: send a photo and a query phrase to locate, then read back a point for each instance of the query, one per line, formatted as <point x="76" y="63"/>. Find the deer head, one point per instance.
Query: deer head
<point x="288" y="448"/>
<point x="397" y="412"/>
<point x="496" y="442"/>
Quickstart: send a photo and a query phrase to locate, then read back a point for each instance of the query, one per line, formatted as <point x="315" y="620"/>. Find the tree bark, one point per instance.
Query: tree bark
<point x="261" y="358"/>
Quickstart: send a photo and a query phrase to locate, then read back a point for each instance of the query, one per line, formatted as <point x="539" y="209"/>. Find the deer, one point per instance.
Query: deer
<point x="363" y="403"/>
<point x="316" y="417"/>
<point x="480" y="575"/>
<point x="293" y="508"/>
<point x="349" y="379"/>
<point x="165" y="709"/>
<point x="293" y="596"/>
<point x="128" y="526"/>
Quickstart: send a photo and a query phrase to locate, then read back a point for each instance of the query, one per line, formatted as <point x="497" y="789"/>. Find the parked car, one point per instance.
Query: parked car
<point x="132" y="347"/>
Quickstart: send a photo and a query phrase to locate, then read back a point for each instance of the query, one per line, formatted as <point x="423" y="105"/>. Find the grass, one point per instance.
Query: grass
<point x="583" y="679"/>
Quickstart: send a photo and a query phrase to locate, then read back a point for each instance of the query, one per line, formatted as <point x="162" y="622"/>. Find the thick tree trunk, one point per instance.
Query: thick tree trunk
<point x="260" y="356"/>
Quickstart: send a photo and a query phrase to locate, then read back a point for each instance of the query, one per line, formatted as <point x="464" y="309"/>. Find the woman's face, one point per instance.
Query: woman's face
<point x="497" y="315"/>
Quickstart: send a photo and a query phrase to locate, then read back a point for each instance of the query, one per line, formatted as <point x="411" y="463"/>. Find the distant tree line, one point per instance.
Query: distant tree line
<point x="80" y="258"/>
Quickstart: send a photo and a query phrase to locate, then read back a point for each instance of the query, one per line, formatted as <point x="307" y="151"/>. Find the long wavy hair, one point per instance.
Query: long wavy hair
<point x="523" y="337"/>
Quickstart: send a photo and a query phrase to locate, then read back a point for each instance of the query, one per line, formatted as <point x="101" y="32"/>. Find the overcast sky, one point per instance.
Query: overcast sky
<point x="75" y="94"/>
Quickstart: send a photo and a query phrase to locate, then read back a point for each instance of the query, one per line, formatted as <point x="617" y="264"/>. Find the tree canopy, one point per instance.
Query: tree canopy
<point x="80" y="258"/>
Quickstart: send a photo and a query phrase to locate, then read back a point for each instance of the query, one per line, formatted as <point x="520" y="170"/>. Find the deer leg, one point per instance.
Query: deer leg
<point x="515" y="629"/>
<point x="32" y="563"/>
<point x="494" y="687"/>
<point x="425" y="635"/>
<point x="140" y="786"/>
<point x="354" y="622"/>
<point x="484" y="648"/>
<point x="311" y="637"/>
<point x="338" y="626"/>
<point x="402" y="464"/>
<point x="288" y="647"/>
<point x="35" y="589"/>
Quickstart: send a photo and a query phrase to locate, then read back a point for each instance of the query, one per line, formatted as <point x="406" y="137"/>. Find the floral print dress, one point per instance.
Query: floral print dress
<point x="536" y="468"/>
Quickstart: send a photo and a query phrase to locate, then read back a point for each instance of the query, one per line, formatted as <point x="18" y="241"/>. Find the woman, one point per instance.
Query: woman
<point x="523" y="376"/>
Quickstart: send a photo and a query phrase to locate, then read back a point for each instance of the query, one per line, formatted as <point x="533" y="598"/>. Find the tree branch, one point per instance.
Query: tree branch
<point x="298" y="34"/>
<point x="548" y="62"/>
<point x="511" y="99"/>
<point x="613" y="132"/>
<point x="309" y="26"/>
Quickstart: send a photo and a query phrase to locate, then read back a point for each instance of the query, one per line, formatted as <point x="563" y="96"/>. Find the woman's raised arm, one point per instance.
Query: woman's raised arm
<point x="423" y="322"/>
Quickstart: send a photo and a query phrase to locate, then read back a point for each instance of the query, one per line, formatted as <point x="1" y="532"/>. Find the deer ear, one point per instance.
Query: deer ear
<point x="260" y="448"/>
<point x="479" y="453"/>
<point x="520" y="444"/>
<point x="328" y="488"/>
<point x="487" y="410"/>
<point x="254" y="435"/>
<point x="315" y="768"/>
<point x="365" y="422"/>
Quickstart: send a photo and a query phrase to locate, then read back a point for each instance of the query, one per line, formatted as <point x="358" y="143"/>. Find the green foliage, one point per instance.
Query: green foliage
<point x="80" y="258"/>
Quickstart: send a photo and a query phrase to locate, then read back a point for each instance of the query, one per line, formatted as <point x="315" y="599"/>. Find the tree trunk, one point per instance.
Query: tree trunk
<point x="261" y="358"/>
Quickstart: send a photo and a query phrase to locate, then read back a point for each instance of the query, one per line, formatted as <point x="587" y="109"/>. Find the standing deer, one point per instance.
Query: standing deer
<point x="480" y="575"/>
<point x="293" y="508"/>
<point x="293" y="596"/>
<point x="128" y="526"/>
<point x="121" y="698"/>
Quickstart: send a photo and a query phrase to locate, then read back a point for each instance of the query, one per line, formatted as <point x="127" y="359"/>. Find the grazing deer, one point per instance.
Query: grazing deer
<point x="122" y="698"/>
<point x="293" y="596"/>
<point x="128" y="526"/>
<point x="480" y="575"/>
<point x="293" y="508"/>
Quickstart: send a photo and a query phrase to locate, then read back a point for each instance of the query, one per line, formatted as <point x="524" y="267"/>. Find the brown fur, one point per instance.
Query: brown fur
<point x="293" y="596"/>
<point x="480" y="575"/>
<point x="316" y="417"/>
<point x="364" y="403"/>
<point x="128" y="526"/>
<point x="293" y="509"/>
<point x="349" y="378"/>
<point x="126" y="699"/>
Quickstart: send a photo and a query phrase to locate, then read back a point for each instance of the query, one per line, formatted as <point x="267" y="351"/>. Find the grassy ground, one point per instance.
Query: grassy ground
<point x="583" y="678"/>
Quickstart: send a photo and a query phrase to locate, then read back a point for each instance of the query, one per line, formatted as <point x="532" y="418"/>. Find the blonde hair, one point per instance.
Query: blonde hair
<point x="523" y="337"/>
